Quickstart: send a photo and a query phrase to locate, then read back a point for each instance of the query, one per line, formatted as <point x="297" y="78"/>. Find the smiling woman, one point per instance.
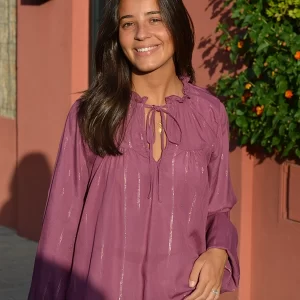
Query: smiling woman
<point x="144" y="38"/>
<point x="139" y="203"/>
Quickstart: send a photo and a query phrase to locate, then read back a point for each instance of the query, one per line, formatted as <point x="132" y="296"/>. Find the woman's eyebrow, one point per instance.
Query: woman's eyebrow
<point x="146" y="14"/>
<point x="152" y="13"/>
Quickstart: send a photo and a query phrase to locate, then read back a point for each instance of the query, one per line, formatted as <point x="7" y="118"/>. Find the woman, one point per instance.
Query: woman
<point x="138" y="208"/>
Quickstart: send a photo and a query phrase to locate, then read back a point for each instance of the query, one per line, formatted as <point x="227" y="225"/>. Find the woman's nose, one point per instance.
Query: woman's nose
<point x="142" y="32"/>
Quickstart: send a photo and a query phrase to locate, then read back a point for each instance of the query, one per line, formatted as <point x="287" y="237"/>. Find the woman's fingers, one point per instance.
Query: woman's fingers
<point x="206" y="276"/>
<point x="194" y="276"/>
<point x="194" y="279"/>
<point x="207" y="291"/>
<point x="214" y="293"/>
<point x="219" y="291"/>
<point x="206" y="282"/>
<point x="217" y="296"/>
<point x="196" y="295"/>
<point x="210" y="291"/>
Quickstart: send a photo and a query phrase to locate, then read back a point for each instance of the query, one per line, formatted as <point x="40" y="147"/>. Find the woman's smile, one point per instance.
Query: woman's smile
<point x="146" y="51"/>
<point x="143" y="33"/>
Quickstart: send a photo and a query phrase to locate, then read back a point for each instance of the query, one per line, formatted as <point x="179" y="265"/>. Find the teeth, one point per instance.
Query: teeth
<point x="146" y="49"/>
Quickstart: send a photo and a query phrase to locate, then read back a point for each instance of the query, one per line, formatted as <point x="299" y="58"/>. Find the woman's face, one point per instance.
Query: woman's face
<point x="143" y="36"/>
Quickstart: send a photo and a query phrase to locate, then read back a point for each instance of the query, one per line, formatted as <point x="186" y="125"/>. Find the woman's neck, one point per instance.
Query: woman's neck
<point x="157" y="85"/>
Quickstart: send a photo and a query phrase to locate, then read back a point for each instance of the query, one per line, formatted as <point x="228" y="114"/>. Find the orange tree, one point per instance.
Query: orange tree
<point x="263" y="99"/>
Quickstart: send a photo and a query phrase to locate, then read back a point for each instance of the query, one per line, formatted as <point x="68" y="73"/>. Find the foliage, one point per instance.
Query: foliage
<point x="280" y="9"/>
<point x="263" y="99"/>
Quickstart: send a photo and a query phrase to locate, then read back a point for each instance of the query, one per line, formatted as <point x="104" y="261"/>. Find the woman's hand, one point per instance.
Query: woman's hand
<point x="207" y="275"/>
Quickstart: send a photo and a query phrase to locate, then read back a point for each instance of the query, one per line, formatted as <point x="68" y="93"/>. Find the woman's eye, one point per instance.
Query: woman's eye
<point x="155" y="20"/>
<point x="126" y="25"/>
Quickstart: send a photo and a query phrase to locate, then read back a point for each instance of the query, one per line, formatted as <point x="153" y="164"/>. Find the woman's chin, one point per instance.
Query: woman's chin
<point x="145" y="69"/>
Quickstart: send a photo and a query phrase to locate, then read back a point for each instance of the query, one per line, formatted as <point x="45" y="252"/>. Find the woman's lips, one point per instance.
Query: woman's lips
<point x="146" y="51"/>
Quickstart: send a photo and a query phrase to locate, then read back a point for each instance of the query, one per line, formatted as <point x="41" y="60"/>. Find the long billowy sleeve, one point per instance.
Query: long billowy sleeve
<point x="220" y="232"/>
<point x="62" y="214"/>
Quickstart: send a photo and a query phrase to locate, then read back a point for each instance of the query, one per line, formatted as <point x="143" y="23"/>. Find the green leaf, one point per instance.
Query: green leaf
<point x="269" y="133"/>
<point x="270" y="111"/>
<point x="235" y="14"/>
<point x="288" y="148"/>
<point x="233" y="56"/>
<point x="264" y="143"/>
<point x="282" y="129"/>
<point x="276" y="120"/>
<point x="239" y="112"/>
<point x="257" y="70"/>
<point x="297" y="114"/>
<point x="262" y="47"/>
<point x="244" y="140"/>
<point x="297" y="152"/>
<point x="292" y="126"/>
<point x="275" y="140"/>
<point x="294" y="136"/>
<point x="294" y="48"/>
<point x="255" y="137"/>
<point x="241" y="122"/>
<point x="293" y="132"/>
<point x="223" y="38"/>
<point x="248" y="19"/>
<point x="282" y="86"/>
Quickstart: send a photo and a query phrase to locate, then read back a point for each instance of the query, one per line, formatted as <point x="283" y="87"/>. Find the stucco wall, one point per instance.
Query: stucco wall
<point x="52" y="65"/>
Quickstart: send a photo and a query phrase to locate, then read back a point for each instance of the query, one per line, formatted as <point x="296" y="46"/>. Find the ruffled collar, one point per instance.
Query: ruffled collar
<point x="169" y="99"/>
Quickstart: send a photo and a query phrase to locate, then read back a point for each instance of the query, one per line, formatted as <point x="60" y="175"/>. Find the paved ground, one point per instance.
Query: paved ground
<point x="16" y="263"/>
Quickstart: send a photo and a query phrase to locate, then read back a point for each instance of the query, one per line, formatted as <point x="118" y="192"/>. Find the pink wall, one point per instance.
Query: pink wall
<point x="276" y="245"/>
<point x="52" y="64"/>
<point x="8" y="155"/>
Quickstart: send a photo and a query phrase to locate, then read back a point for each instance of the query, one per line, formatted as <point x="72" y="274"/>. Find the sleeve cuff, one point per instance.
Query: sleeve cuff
<point x="222" y="234"/>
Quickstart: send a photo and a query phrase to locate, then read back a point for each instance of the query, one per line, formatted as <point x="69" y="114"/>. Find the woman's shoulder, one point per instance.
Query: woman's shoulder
<point x="71" y="120"/>
<point x="206" y="104"/>
<point x="204" y="98"/>
<point x="73" y="130"/>
<point x="73" y="110"/>
<point x="72" y="116"/>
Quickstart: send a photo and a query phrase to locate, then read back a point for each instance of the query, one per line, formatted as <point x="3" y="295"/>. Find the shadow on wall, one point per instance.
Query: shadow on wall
<point x="28" y="195"/>
<point x="214" y="58"/>
<point x="56" y="288"/>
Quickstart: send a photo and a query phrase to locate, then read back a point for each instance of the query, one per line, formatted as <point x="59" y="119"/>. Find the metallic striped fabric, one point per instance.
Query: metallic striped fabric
<point x="130" y="227"/>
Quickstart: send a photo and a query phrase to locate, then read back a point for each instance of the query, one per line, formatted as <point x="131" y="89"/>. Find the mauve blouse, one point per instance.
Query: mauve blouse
<point x="130" y="227"/>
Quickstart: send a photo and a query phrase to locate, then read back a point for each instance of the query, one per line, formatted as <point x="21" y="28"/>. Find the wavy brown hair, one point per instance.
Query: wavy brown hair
<point x="103" y="107"/>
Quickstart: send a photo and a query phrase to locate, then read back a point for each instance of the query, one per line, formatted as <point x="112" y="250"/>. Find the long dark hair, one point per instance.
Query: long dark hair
<point x="103" y="107"/>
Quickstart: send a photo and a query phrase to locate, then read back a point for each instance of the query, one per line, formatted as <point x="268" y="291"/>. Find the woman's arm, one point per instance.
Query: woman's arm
<point x="62" y="214"/>
<point x="220" y="232"/>
<point x="217" y="269"/>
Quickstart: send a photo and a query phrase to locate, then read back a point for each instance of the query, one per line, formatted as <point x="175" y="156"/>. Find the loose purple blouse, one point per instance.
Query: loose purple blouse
<point x="129" y="227"/>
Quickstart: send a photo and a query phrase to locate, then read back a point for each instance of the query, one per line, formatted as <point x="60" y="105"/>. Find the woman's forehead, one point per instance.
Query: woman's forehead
<point x="137" y="7"/>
